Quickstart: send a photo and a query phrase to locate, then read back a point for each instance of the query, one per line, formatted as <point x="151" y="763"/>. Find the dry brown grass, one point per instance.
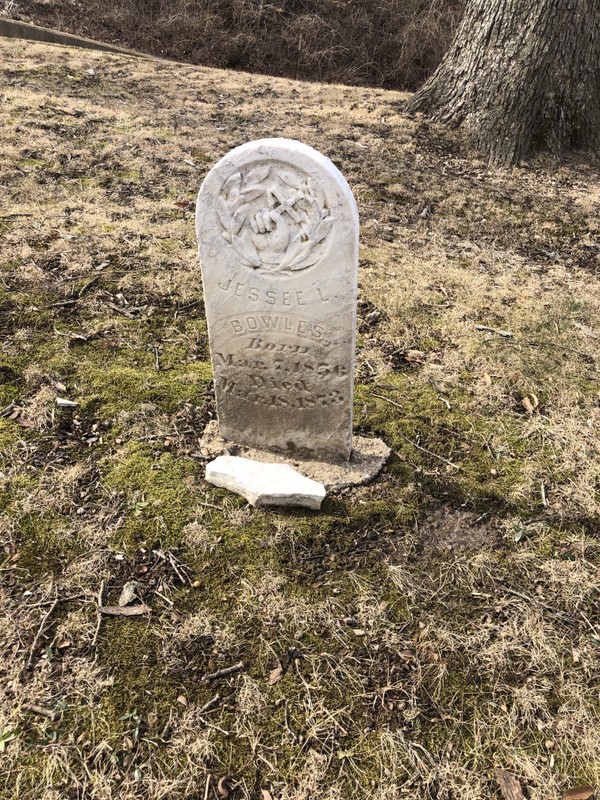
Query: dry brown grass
<point x="419" y="631"/>
<point x="388" y="43"/>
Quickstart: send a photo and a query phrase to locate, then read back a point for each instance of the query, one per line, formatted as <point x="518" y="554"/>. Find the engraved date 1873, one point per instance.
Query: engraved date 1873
<point x="266" y="391"/>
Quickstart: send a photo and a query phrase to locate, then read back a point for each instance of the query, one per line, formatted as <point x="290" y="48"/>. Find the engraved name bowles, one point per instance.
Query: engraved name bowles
<point x="278" y="241"/>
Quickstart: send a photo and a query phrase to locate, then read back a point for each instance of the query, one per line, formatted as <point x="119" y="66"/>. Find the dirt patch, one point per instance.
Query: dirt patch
<point x="447" y="530"/>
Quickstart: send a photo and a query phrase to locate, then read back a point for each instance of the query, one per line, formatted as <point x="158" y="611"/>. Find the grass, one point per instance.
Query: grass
<point x="415" y="634"/>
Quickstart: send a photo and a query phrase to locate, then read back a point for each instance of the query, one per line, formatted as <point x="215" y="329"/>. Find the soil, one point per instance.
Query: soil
<point x="447" y="530"/>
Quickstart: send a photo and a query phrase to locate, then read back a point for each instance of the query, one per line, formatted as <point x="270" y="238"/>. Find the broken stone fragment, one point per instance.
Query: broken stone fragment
<point x="265" y="484"/>
<point x="62" y="402"/>
<point x="128" y="593"/>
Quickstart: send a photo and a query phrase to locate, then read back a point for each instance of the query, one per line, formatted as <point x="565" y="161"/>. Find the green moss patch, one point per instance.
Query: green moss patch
<point x="158" y="493"/>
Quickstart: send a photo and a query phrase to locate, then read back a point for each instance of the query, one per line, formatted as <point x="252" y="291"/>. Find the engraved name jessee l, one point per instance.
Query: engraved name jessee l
<point x="275" y="218"/>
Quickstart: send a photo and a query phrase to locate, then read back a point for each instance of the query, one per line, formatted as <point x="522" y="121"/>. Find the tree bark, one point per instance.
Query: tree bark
<point x="509" y="785"/>
<point x="521" y="75"/>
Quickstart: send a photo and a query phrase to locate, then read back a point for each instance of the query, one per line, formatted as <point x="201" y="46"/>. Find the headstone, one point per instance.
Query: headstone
<point x="277" y="229"/>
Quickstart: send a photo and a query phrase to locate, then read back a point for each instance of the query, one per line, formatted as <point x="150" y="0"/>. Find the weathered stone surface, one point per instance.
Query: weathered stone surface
<point x="368" y="458"/>
<point x="277" y="230"/>
<point x="265" y="484"/>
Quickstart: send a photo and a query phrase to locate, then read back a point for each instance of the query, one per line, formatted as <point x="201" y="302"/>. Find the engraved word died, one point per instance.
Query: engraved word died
<point x="277" y="230"/>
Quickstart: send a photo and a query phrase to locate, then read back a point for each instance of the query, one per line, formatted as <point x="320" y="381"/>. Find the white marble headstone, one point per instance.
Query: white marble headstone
<point x="277" y="228"/>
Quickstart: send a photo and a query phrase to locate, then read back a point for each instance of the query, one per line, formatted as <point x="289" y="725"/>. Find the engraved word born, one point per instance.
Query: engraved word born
<point x="275" y="218"/>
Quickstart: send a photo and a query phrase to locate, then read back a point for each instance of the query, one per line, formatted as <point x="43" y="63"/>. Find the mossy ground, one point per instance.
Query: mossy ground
<point x="417" y="632"/>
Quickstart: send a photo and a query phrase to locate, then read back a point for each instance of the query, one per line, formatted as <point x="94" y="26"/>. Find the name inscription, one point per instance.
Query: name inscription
<point x="278" y="323"/>
<point x="272" y="297"/>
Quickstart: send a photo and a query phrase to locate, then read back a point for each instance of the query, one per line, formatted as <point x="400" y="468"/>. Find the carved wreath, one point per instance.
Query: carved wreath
<point x="275" y="220"/>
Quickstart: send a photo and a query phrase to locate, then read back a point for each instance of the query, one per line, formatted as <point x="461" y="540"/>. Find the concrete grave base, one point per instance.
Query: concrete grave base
<point x="367" y="460"/>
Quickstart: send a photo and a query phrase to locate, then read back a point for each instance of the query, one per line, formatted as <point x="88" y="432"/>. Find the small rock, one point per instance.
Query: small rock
<point x="128" y="593"/>
<point x="265" y="484"/>
<point x="62" y="402"/>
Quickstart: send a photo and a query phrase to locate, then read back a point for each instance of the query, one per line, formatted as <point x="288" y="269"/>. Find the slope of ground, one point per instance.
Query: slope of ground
<point x="418" y="632"/>
<point x="388" y="43"/>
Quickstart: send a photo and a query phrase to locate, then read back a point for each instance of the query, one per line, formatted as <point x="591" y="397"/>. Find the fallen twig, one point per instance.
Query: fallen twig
<point x="62" y="303"/>
<point x="208" y="724"/>
<point x="176" y="565"/>
<point x="499" y="331"/>
<point x="99" y="620"/>
<point x="43" y="712"/>
<point x="123" y="311"/>
<point x="67" y="599"/>
<point x="185" y="307"/>
<point x="125" y="611"/>
<point x="210" y="704"/>
<point x="223" y="673"/>
<point x="86" y="286"/>
<point x="45" y="618"/>
<point x="162" y="597"/>
<point x="410" y="441"/>
<point x="4" y="412"/>
<point x="178" y="568"/>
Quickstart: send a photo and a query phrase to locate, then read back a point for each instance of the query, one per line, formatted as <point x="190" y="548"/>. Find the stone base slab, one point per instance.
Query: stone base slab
<point x="367" y="460"/>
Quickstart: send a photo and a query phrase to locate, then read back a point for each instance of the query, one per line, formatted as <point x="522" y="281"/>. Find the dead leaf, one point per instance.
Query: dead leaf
<point x="223" y="787"/>
<point x="125" y="611"/>
<point x="588" y="332"/>
<point x="22" y="421"/>
<point x="266" y="795"/>
<point x="530" y="403"/>
<point x="415" y="356"/>
<point x="275" y="675"/>
<point x="509" y="785"/>
<point x="579" y="793"/>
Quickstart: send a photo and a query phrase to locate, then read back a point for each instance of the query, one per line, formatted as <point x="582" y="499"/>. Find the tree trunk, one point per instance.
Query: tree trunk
<point x="521" y="75"/>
